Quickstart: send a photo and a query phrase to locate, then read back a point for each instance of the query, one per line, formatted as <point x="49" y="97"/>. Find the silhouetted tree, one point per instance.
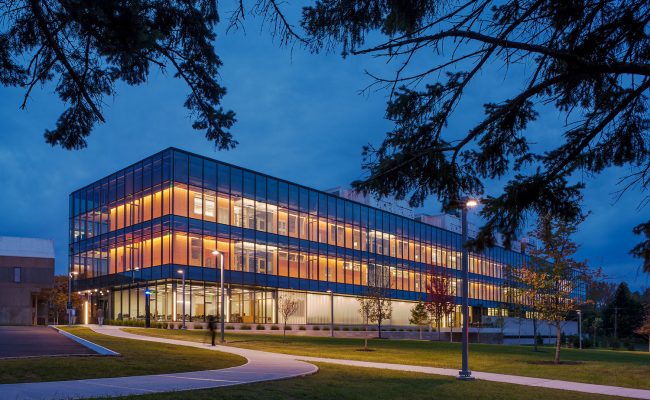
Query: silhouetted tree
<point x="57" y="298"/>
<point x="642" y="250"/>
<point x="419" y="316"/>
<point x="287" y="306"/>
<point x="85" y="47"/>
<point x="644" y="328"/>
<point x="589" y="59"/>
<point x="365" y="309"/>
<point x="554" y="274"/>
<point x="624" y="313"/>
<point x="440" y="299"/>
<point x="377" y="294"/>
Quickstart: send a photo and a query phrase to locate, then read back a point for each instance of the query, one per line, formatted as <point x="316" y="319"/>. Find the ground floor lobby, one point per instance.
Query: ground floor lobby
<point x="170" y="301"/>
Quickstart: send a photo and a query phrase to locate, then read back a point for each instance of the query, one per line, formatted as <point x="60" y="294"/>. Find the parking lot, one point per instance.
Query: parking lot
<point x="35" y="341"/>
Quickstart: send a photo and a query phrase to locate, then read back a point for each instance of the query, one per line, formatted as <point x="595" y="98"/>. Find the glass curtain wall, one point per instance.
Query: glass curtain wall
<point x="173" y="209"/>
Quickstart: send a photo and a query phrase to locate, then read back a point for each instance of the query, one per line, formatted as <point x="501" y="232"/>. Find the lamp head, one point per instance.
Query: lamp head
<point x="180" y="271"/>
<point x="215" y="252"/>
<point x="471" y="203"/>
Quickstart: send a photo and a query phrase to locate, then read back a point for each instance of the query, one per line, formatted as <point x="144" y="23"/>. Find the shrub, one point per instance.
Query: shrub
<point x="326" y="328"/>
<point x="302" y="328"/>
<point x="230" y="327"/>
<point x="198" y="326"/>
<point x="616" y="345"/>
<point x="315" y="328"/>
<point x="345" y="328"/>
<point x="336" y="328"/>
<point x="401" y="329"/>
<point x="245" y="327"/>
<point x="275" y="328"/>
<point x="288" y="327"/>
<point x="260" y="327"/>
<point x="355" y="329"/>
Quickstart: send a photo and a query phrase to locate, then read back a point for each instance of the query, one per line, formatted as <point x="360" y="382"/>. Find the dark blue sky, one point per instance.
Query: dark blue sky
<point x="300" y="117"/>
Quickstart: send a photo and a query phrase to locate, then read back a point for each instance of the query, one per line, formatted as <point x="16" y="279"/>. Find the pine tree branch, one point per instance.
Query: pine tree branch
<point x="614" y="67"/>
<point x="60" y="55"/>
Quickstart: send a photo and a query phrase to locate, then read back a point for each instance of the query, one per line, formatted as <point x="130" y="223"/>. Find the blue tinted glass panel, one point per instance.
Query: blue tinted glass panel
<point x="146" y="174"/>
<point x="180" y="167"/>
<point x="137" y="178"/>
<point x="272" y="190"/>
<point x="196" y="171"/>
<point x="294" y="200"/>
<point x="167" y="165"/>
<point x="223" y="179"/>
<point x="156" y="171"/>
<point x="260" y="187"/>
<point x="236" y="181"/>
<point x="249" y="185"/>
<point x="283" y="194"/>
<point x="210" y="175"/>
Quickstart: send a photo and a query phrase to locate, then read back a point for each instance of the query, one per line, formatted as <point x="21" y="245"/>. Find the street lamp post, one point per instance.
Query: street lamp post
<point x="580" y="328"/>
<point x="69" y="305"/>
<point x="331" y="312"/>
<point x="222" y="318"/>
<point x="147" y="308"/>
<point x="182" y="272"/>
<point x="465" y="373"/>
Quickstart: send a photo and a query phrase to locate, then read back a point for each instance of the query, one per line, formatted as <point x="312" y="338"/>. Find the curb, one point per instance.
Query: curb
<point x="101" y="350"/>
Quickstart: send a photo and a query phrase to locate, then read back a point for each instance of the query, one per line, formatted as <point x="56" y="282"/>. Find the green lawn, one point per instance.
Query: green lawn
<point x="342" y="382"/>
<point x="137" y="358"/>
<point x="617" y="368"/>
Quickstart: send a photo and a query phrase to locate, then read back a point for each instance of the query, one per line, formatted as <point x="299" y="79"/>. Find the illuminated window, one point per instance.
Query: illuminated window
<point x="198" y="204"/>
<point x="209" y="206"/>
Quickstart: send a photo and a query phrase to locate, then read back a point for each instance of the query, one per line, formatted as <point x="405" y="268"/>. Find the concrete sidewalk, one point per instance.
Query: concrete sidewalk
<point x="511" y="379"/>
<point x="261" y="367"/>
<point x="487" y="376"/>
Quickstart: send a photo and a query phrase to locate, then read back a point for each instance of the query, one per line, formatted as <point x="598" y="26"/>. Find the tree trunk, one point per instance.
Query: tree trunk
<point x="379" y="328"/>
<point x="365" y="340"/>
<point x="420" y="332"/>
<point x="451" y="329"/>
<point x="594" y="339"/>
<point x="439" y="329"/>
<point x="535" y="333"/>
<point x="284" y="331"/>
<point x="558" y="342"/>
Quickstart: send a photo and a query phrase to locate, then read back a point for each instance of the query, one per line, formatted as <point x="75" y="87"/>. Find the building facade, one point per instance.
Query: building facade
<point x="150" y="224"/>
<point x="26" y="269"/>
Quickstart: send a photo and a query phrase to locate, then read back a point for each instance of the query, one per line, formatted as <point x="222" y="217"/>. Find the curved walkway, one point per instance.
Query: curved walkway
<point x="261" y="366"/>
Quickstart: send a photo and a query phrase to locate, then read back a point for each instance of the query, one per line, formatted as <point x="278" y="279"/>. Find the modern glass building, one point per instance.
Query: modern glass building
<point x="147" y="225"/>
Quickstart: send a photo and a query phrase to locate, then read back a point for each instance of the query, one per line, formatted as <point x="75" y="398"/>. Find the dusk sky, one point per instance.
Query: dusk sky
<point x="300" y="117"/>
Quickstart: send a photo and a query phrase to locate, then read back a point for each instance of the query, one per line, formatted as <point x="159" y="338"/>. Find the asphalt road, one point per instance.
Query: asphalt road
<point x="35" y="341"/>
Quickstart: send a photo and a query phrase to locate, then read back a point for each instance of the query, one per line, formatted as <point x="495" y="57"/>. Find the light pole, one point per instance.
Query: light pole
<point x="70" y="275"/>
<point x="222" y="308"/>
<point x="465" y="373"/>
<point x="331" y="312"/>
<point x="147" y="308"/>
<point x="182" y="272"/>
<point x="580" y="328"/>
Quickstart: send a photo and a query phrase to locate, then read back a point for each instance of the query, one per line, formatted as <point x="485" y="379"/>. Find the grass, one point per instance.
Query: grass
<point x="137" y="358"/>
<point x="343" y="382"/>
<point x="604" y="367"/>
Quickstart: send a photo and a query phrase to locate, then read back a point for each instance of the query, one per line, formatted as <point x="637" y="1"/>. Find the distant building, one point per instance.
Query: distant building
<point x="26" y="268"/>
